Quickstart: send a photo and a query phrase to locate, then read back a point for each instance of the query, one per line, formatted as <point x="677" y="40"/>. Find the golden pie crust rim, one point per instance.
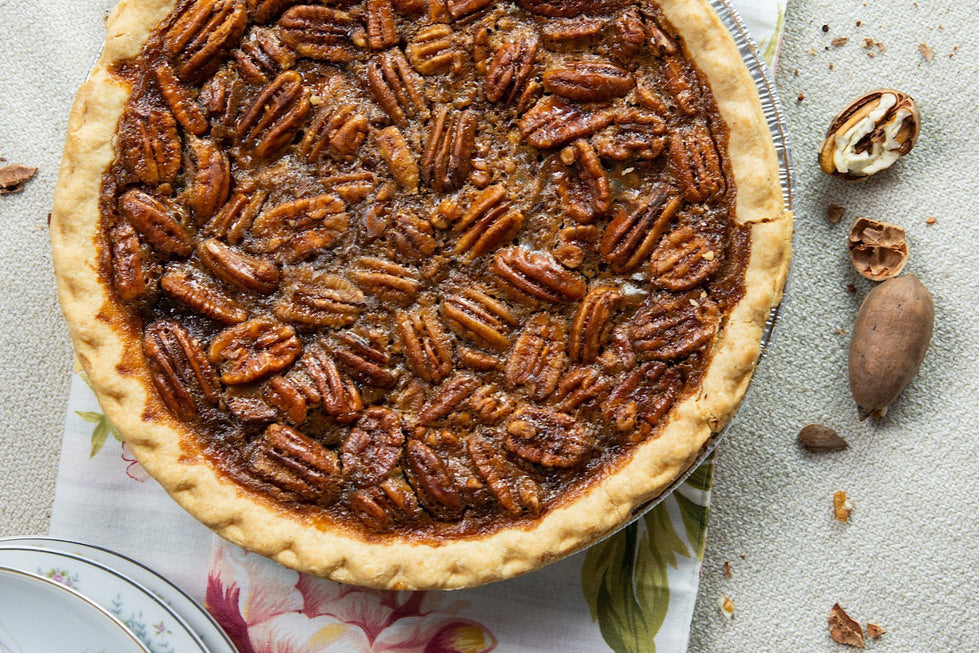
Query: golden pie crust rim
<point x="168" y="451"/>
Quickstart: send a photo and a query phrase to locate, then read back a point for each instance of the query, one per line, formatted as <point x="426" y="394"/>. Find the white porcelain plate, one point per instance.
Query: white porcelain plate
<point x="202" y="623"/>
<point x="38" y="614"/>
<point x="149" y="618"/>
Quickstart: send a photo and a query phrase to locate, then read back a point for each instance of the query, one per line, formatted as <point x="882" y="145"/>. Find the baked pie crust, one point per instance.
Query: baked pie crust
<point x="167" y="441"/>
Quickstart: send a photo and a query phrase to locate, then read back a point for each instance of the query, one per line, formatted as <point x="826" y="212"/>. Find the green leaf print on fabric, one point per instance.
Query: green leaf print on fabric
<point x="769" y="47"/>
<point x="103" y="428"/>
<point x="625" y="577"/>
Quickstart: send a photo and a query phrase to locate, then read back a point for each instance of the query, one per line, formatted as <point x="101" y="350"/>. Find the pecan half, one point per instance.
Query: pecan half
<point x="314" y="380"/>
<point x="295" y="464"/>
<point x="159" y="220"/>
<point x="683" y="260"/>
<point x="554" y="121"/>
<point x="589" y="81"/>
<point x="460" y="10"/>
<point x="150" y="145"/>
<point x="274" y="117"/>
<point x="591" y="324"/>
<point x="237" y="268"/>
<point x="490" y="404"/>
<point x="297" y="229"/>
<point x="582" y="183"/>
<point x="628" y="36"/>
<point x="432" y="49"/>
<point x="385" y="280"/>
<point x="489" y="222"/>
<point x="571" y="8"/>
<point x="510" y="69"/>
<point x="221" y="97"/>
<point x="371" y="451"/>
<point x="642" y="398"/>
<point x="180" y="371"/>
<point x="211" y="180"/>
<point x="695" y="164"/>
<point x="517" y="492"/>
<point x="366" y="361"/>
<point x="479" y="318"/>
<point x="426" y="346"/>
<point x="201" y="294"/>
<point x="410" y="7"/>
<point x="447" y="158"/>
<point x="636" y="134"/>
<point x="235" y="218"/>
<point x="412" y="236"/>
<point x="319" y="32"/>
<point x="393" y="148"/>
<point x="581" y="29"/>
<point x="538" y="274"/>
<point x="387" y="504"/>
<point x="870" y="134"/>
<point x="633" y="233"/>
<point x="262" y="57"/>
<point x="265" y="11"/>
<point x="253" y="350"/>
<point x="319" y="299"/>
<point x="548" y="438"/>
<point x="674" y="328"/>
<point x="432" y="481"/>
<point x="382" y="28"/>
<point x="337" y="131"/>
<point x="449" y="396"/>
<point x="133" y="271"/>
<point x="578" y="387"/>
<point x="179" y="99"/>
<point x="202" y="35"/>
<point x="395" y="86"/>
<point x="683" y="86"/>
<point x="538" y="357"/>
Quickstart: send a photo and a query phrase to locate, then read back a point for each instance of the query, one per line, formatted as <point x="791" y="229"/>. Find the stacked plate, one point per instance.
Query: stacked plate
<point x="57" y="595"/>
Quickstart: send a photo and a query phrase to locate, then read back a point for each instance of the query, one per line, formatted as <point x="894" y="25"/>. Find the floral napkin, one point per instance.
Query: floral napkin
<point x="632" y="592"/>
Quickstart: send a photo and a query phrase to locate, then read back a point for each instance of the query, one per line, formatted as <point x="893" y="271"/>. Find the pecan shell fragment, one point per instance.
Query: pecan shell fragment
<point x="878" y="250"/>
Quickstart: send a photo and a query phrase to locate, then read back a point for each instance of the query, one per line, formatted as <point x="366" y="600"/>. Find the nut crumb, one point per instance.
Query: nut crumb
<point x="839" y="41"/>
<point x="726" y="606"/>
<point x="931" y="220"/>
<point x="874" y="631"/>
<point x="14" y="177"/>
<point x="850" y="288"/>
<point x="868" y="42"/>
<point x="835" y="213"/>
<point x="727" y="569"/>
<point x="843" y="629"/>
<point x="926" y="51"/>
<point x="801" y="97"/>
<point x="841" y="507"/>
<point x="840" y="331"/>
<point x="825" y="28"/>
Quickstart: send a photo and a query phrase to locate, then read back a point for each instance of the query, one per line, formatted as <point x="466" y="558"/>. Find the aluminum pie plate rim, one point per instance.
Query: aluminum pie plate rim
<point x="775" y="118"/>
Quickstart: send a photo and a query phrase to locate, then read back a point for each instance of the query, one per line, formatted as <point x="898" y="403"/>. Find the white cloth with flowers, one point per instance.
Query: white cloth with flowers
<point x="633" y="592"/>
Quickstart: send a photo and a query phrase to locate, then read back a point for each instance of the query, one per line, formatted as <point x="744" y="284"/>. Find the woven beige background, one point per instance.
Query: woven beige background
<point x="908" y="560"/>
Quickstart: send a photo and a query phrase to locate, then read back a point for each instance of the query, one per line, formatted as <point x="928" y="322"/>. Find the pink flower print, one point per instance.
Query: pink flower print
<point x="134" y="470"/>
<point x="266" y="608"/>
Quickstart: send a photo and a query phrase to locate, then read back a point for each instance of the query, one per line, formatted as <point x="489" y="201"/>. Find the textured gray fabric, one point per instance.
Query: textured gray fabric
<point x="908" y="559"/>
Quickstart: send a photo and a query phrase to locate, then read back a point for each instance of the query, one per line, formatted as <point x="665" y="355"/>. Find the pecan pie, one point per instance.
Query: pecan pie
<point x="418" y="293"/>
